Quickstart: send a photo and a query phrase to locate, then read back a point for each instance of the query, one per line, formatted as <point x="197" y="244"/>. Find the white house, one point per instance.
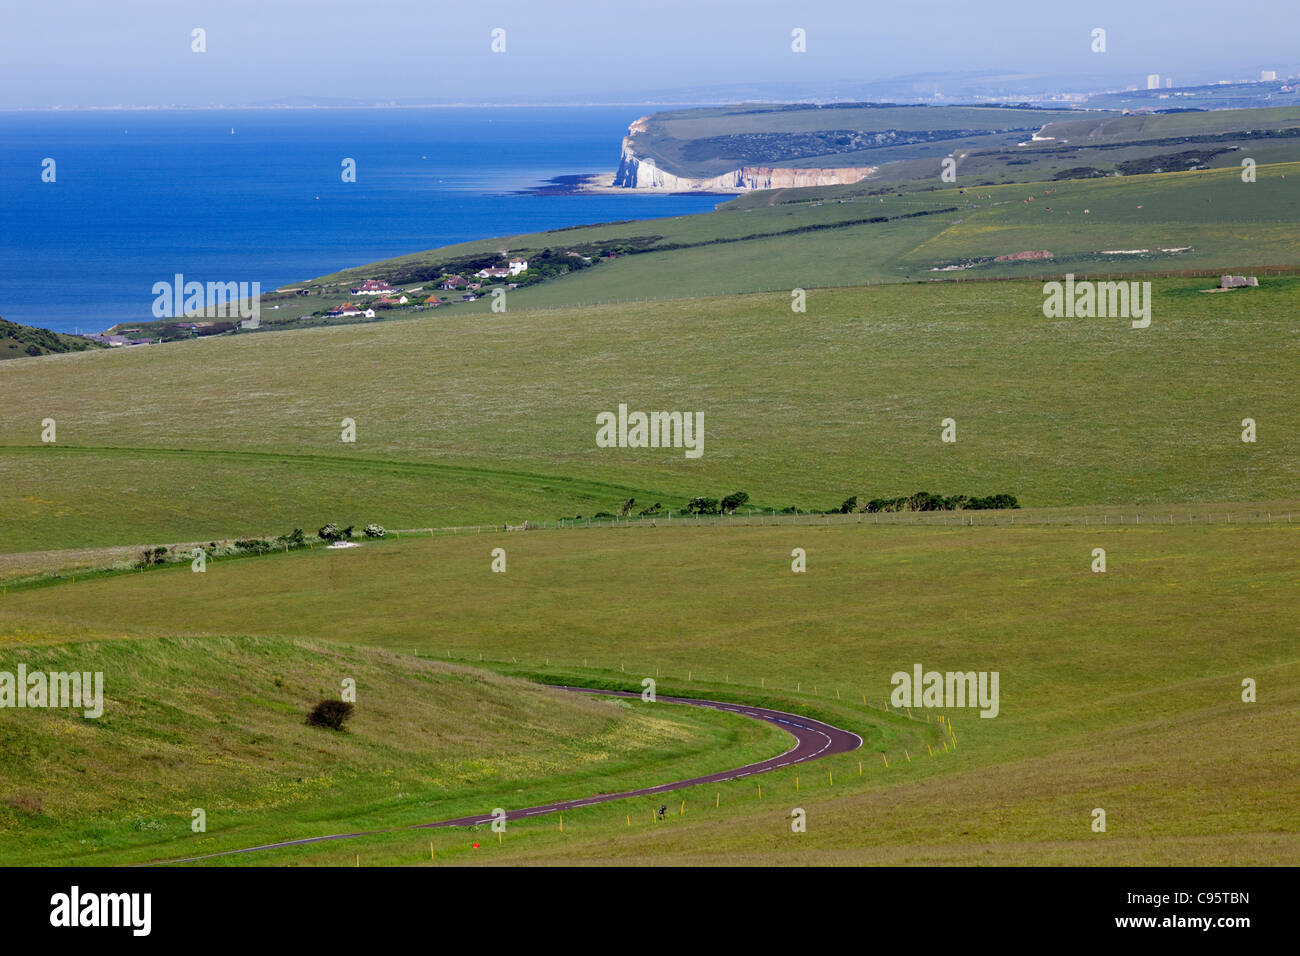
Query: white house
<point x="347" y="308"/>
<point x="374" y="287"/>
<point x="517" y="266"/>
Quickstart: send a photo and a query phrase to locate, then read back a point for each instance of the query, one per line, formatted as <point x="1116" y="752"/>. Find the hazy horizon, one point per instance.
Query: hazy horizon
<point x="139" y="53"/>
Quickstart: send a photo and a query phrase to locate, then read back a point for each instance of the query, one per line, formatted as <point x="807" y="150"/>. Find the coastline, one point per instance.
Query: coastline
<point x="602" y="184"/>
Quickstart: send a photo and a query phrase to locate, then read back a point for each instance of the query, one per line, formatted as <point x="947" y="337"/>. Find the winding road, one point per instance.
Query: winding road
<point x="813" y="739"/>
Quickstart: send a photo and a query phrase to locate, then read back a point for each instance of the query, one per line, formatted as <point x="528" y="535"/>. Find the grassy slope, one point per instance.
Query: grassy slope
<point x="495" y="417"/>
<point x="1118" y="690"/>
<point x="813" y="238"/>
<point x="1115" y="128"/>
<point x="673" y="138"/>
<point x="1227" y="223"/>
<point x="218" y="724"/>
<point x="16" y="340"/>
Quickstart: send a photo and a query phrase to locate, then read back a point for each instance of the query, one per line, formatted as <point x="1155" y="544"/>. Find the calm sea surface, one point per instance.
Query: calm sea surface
<point x="140" y="196"/>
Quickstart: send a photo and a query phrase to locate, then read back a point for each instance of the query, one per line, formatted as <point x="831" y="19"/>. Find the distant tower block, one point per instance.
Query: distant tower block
<point x="1169" y="82"/>
<point x="1153" y="81"/>
<point x="1267" y="76"/>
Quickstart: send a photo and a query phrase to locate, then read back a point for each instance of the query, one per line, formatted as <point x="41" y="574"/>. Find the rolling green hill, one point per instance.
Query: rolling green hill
<point x="471" y="419"/>
<point x="24" y="341"/>
<point x="701" y="143"/>
<point x="1119" y="690"/>
<point x="218" y="724"/>
<point x="1204" y="220"/>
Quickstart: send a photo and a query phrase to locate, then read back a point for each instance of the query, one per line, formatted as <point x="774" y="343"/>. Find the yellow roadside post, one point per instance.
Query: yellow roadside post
<point x="683" y="810"/>
<point x="885" y="759"/>
<point x="831" y="775"/>
<point x="561" y="822"/>
<point x="717" y="800"/>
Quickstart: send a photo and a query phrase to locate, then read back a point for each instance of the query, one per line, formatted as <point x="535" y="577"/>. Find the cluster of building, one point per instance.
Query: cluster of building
<point x="388" y="295"/>
<point x="515" y="267"/>
<point x="116" y="341"/>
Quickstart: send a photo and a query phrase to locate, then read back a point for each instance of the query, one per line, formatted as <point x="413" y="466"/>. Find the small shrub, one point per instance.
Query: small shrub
<point x="150" y="557"/>
<point x="374" y="531"/>
<point x="734" y="501"/>
<point x="330" y="714"/>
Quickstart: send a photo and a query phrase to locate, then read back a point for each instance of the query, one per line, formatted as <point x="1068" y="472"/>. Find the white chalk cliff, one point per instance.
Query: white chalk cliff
<point x="635" y="172"/>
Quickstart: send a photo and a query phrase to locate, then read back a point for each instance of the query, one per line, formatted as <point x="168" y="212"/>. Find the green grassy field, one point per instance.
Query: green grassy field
<point x="1205" y="220"/>
<point x="22" y="341"/>
<point x="713" y="140"/>
<point x="494" y="418"/>
<point x="1119" y="690"/>
<point x="218" y="724"/>
<point x="812" y="238"/>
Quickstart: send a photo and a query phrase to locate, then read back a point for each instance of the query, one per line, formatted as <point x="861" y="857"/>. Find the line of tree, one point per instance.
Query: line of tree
<point x="713" y="506"/>
<point x="925" y="501"/>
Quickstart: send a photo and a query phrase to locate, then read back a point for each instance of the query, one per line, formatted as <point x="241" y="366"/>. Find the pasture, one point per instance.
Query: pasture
<point x="1119" y="690"/>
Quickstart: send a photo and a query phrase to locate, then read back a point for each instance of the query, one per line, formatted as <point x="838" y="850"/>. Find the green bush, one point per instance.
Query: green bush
<point x="330" y="714"/>
<point x="151" y="557"/>
<point x="735" y="500"/>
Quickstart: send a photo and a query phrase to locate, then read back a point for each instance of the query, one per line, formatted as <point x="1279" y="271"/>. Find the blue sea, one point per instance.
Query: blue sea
<point x="257" y="195"/>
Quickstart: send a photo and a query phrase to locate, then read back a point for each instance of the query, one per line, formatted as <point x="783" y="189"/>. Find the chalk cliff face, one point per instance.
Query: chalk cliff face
<point x="635" y="172"/>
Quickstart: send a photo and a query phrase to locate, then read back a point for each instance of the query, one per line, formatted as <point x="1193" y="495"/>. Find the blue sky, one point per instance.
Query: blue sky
<point x="137" y="52"/>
